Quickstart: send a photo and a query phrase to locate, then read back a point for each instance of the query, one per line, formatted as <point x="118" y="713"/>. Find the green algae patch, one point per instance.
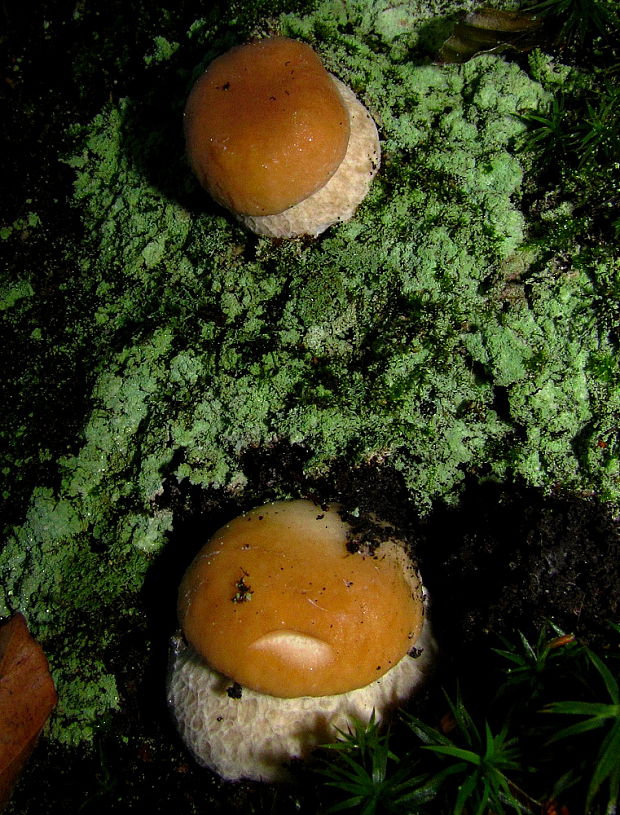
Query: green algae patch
<point x="11" y="294"/>
<point x="413" y="335"/>
<point x="53" y="567"/>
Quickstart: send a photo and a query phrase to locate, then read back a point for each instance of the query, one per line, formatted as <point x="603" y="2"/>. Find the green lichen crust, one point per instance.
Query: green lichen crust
<point x="406" y="336"/>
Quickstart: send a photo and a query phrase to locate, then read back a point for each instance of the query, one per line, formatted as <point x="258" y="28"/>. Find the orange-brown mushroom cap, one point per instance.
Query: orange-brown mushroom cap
<point x="265" y="126"/>
<point x="281" y="603"/>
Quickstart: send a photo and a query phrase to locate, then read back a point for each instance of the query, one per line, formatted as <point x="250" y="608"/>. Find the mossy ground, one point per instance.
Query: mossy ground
<point x="165" y="369"/>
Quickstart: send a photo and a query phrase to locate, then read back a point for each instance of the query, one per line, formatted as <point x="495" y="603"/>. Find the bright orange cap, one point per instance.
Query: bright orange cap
<point x="281" y="602"/>
<point x="265" y="126"/>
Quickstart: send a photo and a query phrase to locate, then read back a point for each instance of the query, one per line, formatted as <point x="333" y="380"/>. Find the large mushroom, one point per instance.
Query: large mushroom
<point x="278" y="141"/>
<point x="294" y="624"/>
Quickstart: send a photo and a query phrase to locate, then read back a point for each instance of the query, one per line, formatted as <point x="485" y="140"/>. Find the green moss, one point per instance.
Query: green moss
<point x="20" y="226"/>
<point x="12" y="293"/>
<point x="404" y="336"/>
<point x="54" y="569"/>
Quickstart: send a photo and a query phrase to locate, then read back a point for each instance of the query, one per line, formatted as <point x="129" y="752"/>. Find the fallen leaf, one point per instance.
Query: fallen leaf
<point x="487" y="30"/>
<point x="27" y="697"/>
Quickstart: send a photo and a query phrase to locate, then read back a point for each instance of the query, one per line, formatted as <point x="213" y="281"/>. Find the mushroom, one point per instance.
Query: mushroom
<point x="294" y="623"/>
<point x="277" y="140"/>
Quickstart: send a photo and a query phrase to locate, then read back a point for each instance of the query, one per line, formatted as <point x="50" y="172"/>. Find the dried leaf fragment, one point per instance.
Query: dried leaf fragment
<point x="27" y="697"/>
<point x="489" y="29"/>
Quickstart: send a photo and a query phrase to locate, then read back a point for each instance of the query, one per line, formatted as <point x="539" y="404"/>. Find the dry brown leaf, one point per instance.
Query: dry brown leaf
<point x="27" y="697"/>
<point x="487" y="30"/>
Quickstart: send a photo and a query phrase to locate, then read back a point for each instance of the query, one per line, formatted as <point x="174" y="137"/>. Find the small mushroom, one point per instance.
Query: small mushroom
<point x="278" y="141"/>
<point x="309" y="624"/>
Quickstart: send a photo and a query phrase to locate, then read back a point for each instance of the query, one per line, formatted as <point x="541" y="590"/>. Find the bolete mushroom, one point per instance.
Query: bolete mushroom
<point x="278" y="141"/>
<point x="294" y="623"/>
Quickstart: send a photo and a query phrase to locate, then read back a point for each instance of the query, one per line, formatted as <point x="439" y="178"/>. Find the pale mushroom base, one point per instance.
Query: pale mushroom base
<point x="256" y="735"/>
<point x="337" y="200"/>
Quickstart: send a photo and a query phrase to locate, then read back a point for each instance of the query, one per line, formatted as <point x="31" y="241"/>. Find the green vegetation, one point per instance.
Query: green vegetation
<point x="531" y="663"/>
<point x="597" y="716"/>
<point x="574" y="21"/>
<point x="362" y="768"/>
<point x="465" y="764"/>
<point x="476" y="771"/>
<point x="577" y="140"/>
<point x="440" y="331"/>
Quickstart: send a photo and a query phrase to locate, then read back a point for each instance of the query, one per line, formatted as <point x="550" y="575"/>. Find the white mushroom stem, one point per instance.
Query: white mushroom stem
<point x="256" y="735"/>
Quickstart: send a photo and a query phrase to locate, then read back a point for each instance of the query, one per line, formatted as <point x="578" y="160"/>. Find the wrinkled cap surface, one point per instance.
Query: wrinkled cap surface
<point x="282" y="601"/>
<point x="265" y="126"/>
